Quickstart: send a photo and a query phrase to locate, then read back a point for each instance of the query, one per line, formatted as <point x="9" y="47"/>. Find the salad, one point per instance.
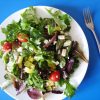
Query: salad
<point x="39" y="54"/>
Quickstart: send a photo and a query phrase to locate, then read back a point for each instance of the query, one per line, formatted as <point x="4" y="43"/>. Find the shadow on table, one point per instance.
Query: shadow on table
<point x="77" y="14"/>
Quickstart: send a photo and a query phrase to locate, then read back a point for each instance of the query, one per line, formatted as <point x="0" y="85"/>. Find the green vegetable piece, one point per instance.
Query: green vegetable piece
<point x="19" y="61"/>
<point x="25" y="53"/>
<point x="38" y="57"/>
<point x="30" y="15"/>
<point x="60" y="83"/>
<point x="2" y="42"/>
<point x="5" y="57"/>
<point x="62" y="20"/>
<point x="29" y="48"/>
<point x="59" y="44"/>
<point x="1" y="53"/>
<point x="62" y="62"/>
<point x="29" y="70"/>
<point x="76" y="62"/>
<point x="35" y="33"/>
<point x="50" y="29"/>
<point x="69" y="90"/>
<point x="29" y="64"/>
<point x="25" y="26"/>
<point x="6" y="76"/>
<point x="35" y="81"/>
<point x="31" y="59"/>
<point x="11" y="31"/>
<point x="51" y="64"/>
<point x="16" y="71"/>
<point x="57" y="19"/>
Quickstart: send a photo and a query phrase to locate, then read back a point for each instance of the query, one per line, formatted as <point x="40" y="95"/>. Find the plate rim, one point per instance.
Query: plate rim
<point x="88" y="55"/>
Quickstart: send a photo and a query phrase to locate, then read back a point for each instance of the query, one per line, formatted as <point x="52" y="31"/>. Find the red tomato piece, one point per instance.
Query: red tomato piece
<point x="7" y="46"/>
<point x="55" y="76"/>
<point x="22" y="37"/>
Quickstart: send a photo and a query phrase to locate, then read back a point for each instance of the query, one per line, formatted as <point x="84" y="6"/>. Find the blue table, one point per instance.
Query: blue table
<point x="90" y="86"/>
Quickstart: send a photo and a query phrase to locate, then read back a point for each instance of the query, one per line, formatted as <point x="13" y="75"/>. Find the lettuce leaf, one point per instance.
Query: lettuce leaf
<point x="30" y="15"/>
<point x="35" y="81"/>
<point x="11" y="31"/>
<point x="69" y="90"/>
<point x="62" y="20"/>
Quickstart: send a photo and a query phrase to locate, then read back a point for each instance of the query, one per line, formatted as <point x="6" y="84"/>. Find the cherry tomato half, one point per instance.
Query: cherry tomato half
<point x="7" y="46"/>
<point x="55" y="76"/>
<point x="22" y="37"/>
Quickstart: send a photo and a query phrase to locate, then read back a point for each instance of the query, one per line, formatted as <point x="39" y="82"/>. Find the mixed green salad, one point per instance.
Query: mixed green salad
<point x="39" y="54"/>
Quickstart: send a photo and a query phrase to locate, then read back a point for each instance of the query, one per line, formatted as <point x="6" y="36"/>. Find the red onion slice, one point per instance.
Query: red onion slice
<point x="21" y="89"/>
<point x="17" y="84"/>
<point x="34" y="93"/>
<point x="69" y="65"/>
<point x="51" y="41"/>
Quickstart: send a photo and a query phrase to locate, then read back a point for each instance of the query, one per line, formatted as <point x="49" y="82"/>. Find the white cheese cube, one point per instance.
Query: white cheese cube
<point x="67" y="57"/>
<point x="15" y="54"/>
<point x="46" y="26"/>
<point x="10" y="66"/>
<point x="20" y="49"/>
<point x="58" y="51"/>
<point x="67" y="43"/>
<point x="37" y="41"/>
<point x="57" y="62"/>
<point x="46" y="41"/>
<point x="61" y="37"/>
<point x="54" y="42"/>
<point x="63" y="52"/>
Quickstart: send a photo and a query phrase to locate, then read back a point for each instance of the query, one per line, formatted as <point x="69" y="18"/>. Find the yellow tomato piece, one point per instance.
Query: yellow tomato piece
<point x="28" y="70"/>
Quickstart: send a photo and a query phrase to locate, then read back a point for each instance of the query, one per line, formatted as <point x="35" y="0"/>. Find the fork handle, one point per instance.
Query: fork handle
<point x="96" y="38"/>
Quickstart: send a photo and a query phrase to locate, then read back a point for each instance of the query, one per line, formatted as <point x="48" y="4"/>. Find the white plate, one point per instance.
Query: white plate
<point x="76" y="34"/>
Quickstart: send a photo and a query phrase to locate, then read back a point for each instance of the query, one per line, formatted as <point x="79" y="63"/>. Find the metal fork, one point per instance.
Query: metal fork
<point x="89" y="23"/>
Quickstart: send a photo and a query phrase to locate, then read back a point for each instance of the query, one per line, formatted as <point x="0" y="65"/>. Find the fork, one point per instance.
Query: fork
<point x="90" y="25"/>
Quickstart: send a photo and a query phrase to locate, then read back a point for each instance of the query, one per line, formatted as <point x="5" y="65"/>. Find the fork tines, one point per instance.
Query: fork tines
<point x="87" y="15"/>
